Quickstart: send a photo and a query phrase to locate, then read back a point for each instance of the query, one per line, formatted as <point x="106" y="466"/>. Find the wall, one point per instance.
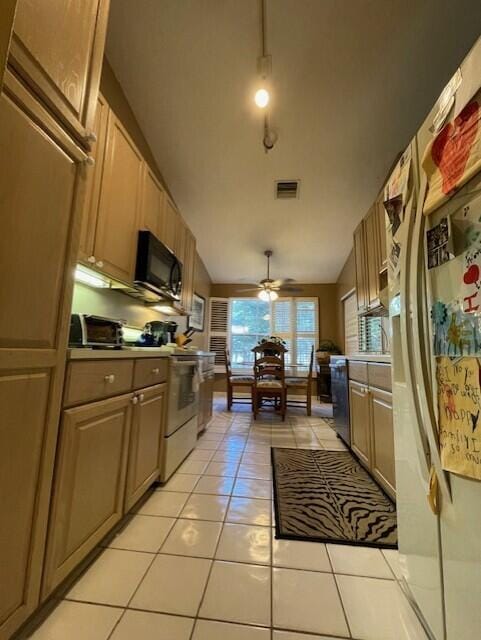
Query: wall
<point x="345" y="283"/>
<point x="202" y="286"/>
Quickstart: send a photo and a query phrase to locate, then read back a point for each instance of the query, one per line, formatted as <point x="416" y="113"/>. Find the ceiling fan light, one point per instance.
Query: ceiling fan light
<point x="273" y="295"/>
<point x="264" y="295"/>
<point x="261" y="98"/>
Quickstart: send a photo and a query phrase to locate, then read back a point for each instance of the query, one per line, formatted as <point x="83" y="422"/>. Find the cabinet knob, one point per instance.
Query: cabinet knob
<point x="91" y="259"/>
<point x="89" y="161"/>
<point x="141" y="397"/>
<point x="109" y="378"/>
<point x="155" y="371"/>
<point x="135" y="400"/>
<point x="91" y="136"/>
<point x="99" y="264"/>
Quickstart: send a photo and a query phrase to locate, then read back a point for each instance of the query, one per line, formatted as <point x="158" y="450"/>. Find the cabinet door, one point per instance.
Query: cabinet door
<point x="145" y="442"/>
<point x="382" y="439"/>
<point x="209" y="399"/>
<point x="381" y="225"/>
<point x="7" y="12"/>
<point x="361" y="275"/>
<point x="360" y="427"/>
<point x="89" y="484"/>
<point x="189" y="271"/>
<point x="41" y="183"/>
<point x="116" y="234"/>
<point x="170" y="219"/>
<point x="372" y="257"/>
<point x="57" y="48"/>
<point x="152" y="203"/>
<point x="94" y="181"/>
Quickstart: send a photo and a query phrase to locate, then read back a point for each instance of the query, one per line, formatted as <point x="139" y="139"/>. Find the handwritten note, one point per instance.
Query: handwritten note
<point x="459" y="402"/>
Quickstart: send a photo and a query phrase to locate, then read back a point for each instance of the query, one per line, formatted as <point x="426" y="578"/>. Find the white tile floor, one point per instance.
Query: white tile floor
<point x="199" y="561"/>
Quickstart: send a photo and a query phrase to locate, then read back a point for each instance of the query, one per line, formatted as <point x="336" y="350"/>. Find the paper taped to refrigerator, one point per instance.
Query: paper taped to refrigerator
<point x="459" y="403"/>
<point x="453" y="156"/>
<point x="455" y="333"/>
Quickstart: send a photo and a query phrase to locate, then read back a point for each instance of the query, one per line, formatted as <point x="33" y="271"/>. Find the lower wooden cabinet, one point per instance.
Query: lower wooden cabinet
<point x="360" y="421"/>
<point x="382" y="439"/>
<point x="145" y="441"/>
<point x="372" y="434"/>
<point x="89" y="487"/>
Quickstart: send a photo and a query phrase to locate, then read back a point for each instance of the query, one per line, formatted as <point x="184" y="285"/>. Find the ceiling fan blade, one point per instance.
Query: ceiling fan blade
<point x="253" y="289"/>
<point x="290" y="289"/>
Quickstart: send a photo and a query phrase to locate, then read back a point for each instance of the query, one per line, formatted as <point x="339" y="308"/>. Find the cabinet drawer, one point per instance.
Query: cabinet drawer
<point x="150" y="371"/>
<point x="358" y="371"/>
<point x="379" y="375"/>
<point x="93" y="380"/>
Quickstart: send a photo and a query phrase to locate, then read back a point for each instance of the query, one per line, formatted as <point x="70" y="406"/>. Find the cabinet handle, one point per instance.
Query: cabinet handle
<point x="109" y="378"/>
<point x="91" y="137"/>
<point x="135" y="400"/>
<point x="155" y="371"/>
<point x="99" y="264"/>
<point x="91" y="259"/>
<point x="141" y="397"/>
<point x="89" y="161"/>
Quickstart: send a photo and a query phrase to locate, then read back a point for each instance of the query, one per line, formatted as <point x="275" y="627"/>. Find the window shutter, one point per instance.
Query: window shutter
<point x="218" y="329"/>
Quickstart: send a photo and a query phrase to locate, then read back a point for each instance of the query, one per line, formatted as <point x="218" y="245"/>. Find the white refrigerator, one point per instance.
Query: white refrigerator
<point x="439" y="512"/>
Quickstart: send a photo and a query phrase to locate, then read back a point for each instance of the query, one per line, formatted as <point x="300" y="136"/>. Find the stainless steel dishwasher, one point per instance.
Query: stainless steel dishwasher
<point x="340" y="397"/>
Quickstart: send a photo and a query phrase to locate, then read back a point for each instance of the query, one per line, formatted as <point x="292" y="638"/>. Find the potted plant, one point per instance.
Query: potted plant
<point x="326" y="349"/>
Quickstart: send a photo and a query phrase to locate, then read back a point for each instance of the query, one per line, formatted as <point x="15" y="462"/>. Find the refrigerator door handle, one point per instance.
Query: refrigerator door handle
<point x="415" y="331"/>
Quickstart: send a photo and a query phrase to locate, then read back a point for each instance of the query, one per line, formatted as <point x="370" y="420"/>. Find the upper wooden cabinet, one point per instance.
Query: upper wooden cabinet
<point x="188" y="277"/>
<point x="170" y="220"/>
<point x="41" y="184"/>
<point x="119" y="205"/>
<point x="57" y="48"/>
<point x="373" y="262"/>
<point x="152" y="203"/>
<point x="381" y="226"/>
<point x="361" y="268"/>
<point x="94" y="183"/>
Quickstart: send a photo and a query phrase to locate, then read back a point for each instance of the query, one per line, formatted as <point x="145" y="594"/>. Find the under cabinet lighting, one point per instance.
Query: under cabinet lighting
<point x="165" y="309"/>
<point x="91" y="278"/>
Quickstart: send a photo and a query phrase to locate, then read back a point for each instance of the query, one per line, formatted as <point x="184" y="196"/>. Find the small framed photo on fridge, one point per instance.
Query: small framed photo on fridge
<point x="197" y="317"/>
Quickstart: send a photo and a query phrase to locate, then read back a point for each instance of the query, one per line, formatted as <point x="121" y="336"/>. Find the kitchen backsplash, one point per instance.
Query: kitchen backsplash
<point x="113" y="304"/>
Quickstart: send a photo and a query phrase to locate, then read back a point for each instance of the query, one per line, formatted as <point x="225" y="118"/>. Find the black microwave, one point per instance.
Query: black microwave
<point x="157" y="269"/>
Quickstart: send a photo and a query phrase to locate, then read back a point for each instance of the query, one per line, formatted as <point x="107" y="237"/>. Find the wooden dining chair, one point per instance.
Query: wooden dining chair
<point x="304" y="385"/>
<point x="269" y="379"/>
<point x="232" y="381"/>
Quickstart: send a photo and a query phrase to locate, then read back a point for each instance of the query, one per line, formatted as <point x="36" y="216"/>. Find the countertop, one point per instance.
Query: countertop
<point x="131" y="353"/>
<point x="371" y="357"/>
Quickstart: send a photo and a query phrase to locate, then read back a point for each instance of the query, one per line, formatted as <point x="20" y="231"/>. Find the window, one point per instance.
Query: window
<point x="292" y="319"/>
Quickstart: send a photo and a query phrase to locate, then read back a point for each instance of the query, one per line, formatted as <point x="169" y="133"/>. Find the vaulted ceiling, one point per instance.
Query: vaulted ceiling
<point x="351" y="82"/>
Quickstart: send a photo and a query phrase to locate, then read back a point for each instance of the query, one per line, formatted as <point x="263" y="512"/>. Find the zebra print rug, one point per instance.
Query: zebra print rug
<point x="326" y="496"/>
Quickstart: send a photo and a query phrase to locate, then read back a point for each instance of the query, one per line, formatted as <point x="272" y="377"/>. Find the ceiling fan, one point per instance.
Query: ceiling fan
<point x="267" y="288"/>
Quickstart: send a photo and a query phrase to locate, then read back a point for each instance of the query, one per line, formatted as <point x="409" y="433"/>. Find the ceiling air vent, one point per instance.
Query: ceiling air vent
<point x="287" y="189"/>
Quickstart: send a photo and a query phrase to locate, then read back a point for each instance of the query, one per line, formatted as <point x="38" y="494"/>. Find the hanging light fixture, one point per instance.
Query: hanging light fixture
<point x="268" y="295"/>
<point x="264" y="67"/>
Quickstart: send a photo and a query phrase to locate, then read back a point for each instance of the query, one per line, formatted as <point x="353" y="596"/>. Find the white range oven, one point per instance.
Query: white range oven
<point x="183" y="404"/>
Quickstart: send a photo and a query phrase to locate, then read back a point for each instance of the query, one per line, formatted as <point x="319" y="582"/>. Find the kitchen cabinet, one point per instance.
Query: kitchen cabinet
<point x="372" y="253"/>
<point x="109" y="454"/>
<point x="152" y="203"/>
<point x="381" y="226"/>
<point x="170" y="220"/>
<point x="361" y="268"/>
<point x="189" y="271"/>
<point x="119" y="205"/>
<point x="360" y="427"/>
<point x="57" y="49"/>
<point x="41" y="186"/>
<point x="88" y="496"/>
<point x="145" y="441"/>
<point x="7" y="13"/>
<point x="94" y="182"/>
<point x="382" y="439"/>
<point x="371" y="420"/>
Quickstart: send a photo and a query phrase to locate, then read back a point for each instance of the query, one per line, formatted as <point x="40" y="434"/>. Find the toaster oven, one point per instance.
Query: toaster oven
<point x="94" y="331"/>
